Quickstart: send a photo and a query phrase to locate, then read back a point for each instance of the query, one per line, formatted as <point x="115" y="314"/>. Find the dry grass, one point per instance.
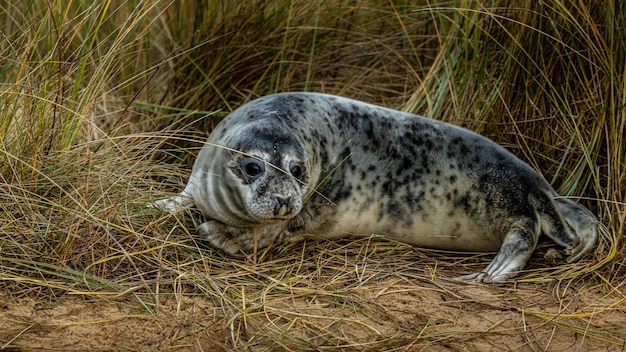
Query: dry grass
<point x="103" y="106"/>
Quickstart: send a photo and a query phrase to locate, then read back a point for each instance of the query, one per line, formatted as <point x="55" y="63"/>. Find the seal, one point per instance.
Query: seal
<point x="291" y="165"/>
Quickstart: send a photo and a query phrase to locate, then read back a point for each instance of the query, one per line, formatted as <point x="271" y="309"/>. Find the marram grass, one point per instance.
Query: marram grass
<point x="103" y="106"/>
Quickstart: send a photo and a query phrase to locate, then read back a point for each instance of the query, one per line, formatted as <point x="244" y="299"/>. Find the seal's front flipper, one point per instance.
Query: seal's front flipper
<point x="222" y="237"/>
<point x="517" y="247"/>
<point x="241" y="240"/>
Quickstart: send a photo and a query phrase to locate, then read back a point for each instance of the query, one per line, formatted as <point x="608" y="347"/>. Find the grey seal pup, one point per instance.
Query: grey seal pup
<point x="291" y="165"/>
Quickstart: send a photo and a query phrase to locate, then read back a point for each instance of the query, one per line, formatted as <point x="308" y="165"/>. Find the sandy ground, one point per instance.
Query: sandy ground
<point x="394" y="313"/>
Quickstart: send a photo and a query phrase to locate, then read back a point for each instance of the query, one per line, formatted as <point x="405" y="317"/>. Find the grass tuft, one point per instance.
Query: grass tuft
<point x="103" y="106"/>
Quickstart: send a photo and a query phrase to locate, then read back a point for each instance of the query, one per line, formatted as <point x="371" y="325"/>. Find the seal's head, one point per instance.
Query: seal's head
<point x="255" y="173"/>
<point x="269" y="181"/>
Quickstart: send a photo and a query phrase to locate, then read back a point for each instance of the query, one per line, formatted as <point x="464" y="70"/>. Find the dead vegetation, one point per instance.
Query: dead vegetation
<point x="103" y="106"/>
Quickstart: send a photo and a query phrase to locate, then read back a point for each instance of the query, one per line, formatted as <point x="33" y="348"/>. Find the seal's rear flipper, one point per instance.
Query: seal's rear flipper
<point x="172" y="204"/>
<point x="568" y="224"/>
<point x="583" y="223"/>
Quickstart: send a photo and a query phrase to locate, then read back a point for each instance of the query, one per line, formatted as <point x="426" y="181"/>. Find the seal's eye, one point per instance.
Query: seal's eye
<point x="252" y="167"/>
<point x="295" y="170"/>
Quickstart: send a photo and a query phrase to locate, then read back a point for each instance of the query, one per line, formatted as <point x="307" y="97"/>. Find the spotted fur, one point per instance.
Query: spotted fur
<point x="295" y="164"/>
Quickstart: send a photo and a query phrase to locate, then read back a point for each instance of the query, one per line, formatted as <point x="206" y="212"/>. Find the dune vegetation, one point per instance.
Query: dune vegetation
<point x="103" y="106"/>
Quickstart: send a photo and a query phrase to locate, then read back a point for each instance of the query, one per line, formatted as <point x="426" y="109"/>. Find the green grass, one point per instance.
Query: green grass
<point x="103" y="106"/>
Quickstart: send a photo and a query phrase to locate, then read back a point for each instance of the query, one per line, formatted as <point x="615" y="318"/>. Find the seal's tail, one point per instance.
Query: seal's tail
<point x="569" y="224"/>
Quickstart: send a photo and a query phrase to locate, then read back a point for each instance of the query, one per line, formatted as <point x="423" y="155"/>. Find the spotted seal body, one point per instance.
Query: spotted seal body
<point x="294" y="164"/>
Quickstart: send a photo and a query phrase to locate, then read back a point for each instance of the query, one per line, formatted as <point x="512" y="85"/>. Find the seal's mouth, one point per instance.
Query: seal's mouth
<point x="277" y="219"/>
<point x="290" y="214"/>
<point x="268" y="219"/>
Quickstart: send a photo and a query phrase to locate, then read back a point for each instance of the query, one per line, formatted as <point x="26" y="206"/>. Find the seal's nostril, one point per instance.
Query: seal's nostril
<point x="281" y="205"/>
<point x="278" y="201"/>
<point x="283" y="201"/>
